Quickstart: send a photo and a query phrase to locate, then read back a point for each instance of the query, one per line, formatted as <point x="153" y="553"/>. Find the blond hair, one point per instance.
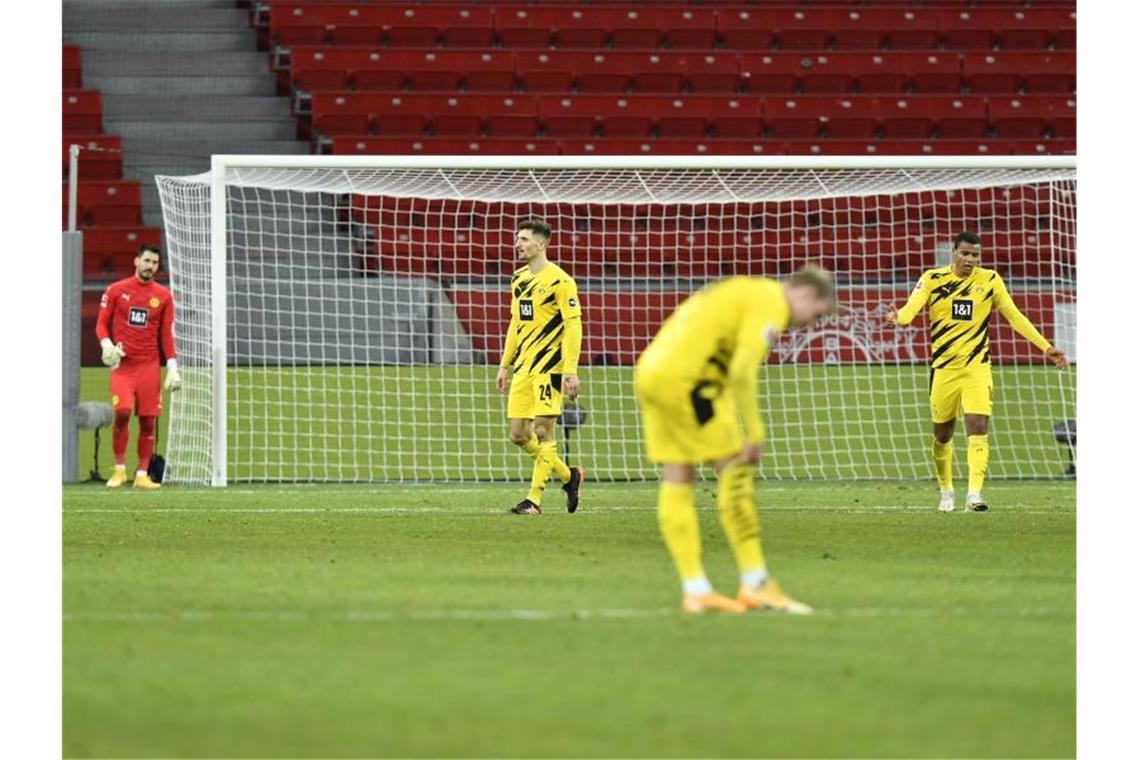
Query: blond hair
<point x="816" y="277"/>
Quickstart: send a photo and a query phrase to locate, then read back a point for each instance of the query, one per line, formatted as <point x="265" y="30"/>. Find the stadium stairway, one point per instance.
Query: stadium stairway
<point x="181" y="79"/>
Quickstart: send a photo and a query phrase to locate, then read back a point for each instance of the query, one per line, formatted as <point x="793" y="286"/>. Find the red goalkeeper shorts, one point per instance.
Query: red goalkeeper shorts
<point x="136" y="387"/>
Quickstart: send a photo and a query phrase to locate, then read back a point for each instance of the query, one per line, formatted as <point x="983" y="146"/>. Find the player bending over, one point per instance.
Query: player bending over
<point x="961" y="297"/>
<point x="696" y="383"/>
<point x="541" y="351"/>
<point x="135" y="314"/>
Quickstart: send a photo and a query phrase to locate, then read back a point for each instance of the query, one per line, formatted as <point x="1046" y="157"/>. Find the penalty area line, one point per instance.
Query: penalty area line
<point x="489" y="511"/>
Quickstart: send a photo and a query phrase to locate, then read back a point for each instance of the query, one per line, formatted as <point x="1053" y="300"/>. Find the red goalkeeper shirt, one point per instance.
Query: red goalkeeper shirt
<point x="139" y="315"/>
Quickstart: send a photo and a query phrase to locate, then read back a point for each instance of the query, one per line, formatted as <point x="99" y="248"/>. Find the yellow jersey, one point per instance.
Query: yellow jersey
<point x="960" y="311"/>
<point x="545" y="334"/>
<point x="717" y="338"/>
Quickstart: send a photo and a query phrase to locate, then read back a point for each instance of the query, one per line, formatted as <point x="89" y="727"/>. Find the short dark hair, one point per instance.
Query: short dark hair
<point x="971" y="238"/>
<point x="537" y="226"/>
<point x="148" y="248"/>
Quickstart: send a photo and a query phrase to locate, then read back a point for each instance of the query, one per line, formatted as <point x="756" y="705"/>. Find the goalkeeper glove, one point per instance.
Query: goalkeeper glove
<point x="173" y="379"/>
<point x="112" y="353"/>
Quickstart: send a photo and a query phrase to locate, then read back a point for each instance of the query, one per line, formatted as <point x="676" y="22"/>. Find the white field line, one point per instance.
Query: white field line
<point x="420" y="488"/>
<point x="490" y="511"/>
<point x="393" y="616"/>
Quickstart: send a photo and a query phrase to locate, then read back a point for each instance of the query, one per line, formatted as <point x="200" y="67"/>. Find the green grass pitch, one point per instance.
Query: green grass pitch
<point x="404" y="621"/>
<point x="418" y="423"/>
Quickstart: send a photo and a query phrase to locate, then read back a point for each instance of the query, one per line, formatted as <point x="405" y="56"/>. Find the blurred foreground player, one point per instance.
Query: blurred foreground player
<point x="135" y="315"/>
<point x="540" y="362"/>
<point x="961" y="298"/>
<point x="696" y="383"/>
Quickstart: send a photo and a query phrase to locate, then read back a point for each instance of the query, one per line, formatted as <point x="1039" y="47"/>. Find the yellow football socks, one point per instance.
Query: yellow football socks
<point x="944" y="464"/>
<point x="546" y="461"/>
<point x="977" y="457"/>
<point x="532" y="446"/>
<point x="677" y="517"/>
<point x="557" y="466"/>
<point x="741" y="523"/>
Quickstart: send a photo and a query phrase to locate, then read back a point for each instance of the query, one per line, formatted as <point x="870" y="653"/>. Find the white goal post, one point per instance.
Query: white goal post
<point x="339" y="318"/>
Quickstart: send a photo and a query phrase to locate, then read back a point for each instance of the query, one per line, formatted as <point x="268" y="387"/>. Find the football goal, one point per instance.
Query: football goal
<point x="340" y="318"/>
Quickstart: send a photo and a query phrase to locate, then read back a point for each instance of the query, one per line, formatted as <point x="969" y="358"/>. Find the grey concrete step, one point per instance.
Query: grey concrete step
<point x="131" y="130"/>
<point x="260" y="84"/>
<point x="308" y="226"/>
<point x="202" y="147"/>
<point x="101" y="16"/>
<point x="195" y="108"/>
<point x="174" y="41"/>
<point x="156" y="63"/>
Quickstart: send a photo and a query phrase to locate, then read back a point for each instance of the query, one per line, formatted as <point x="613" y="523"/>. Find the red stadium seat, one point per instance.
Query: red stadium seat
<point x="538" y="27"/>
<point x="802" y="29"/>
<point x="1031" y="117"/>
<point x="339" y="114"/>
<point x="1008" y="28"/>
<point x="299" y="23"/>
<point x="828" y="74"/>
<point x="744" y="29"/>
<point x="805" y="117"/>
<point x="102" y="203"/>
<point x="441" y="146"/>
<point x="452" y="25"/>
<point x="82" y="111"/>
<point x="869" y="28"/>
<point x="72" y="68"/>
<point x="101" y="156"/>
<point x="967" y="30"/>
<point x="771" y="73"/>
<point x="711" y="73"/>
<point x="551" y="70"/>
<point x="633" y="28"/>
<point x="1000" y="73"/>
<point x="935" y="73"/>
<point x="879" y="73"/>
<point x="918" y="117"/>
<point x="424" y="70"/>
<point x="606" y="147"/>
<point x="688" y="28"/>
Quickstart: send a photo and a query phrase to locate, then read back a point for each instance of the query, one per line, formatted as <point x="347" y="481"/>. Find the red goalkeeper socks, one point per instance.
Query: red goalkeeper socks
<point x="146" y="441"/>
<point x="120" y="432"/>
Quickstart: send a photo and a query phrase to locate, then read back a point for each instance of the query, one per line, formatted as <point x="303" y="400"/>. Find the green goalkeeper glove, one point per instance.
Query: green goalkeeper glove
<point x="112" y="353"/>
<point x="173" y="379"/>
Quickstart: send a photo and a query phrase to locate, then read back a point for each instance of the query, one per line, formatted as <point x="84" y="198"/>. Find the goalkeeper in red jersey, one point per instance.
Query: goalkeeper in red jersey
<point x="136" y="315"/>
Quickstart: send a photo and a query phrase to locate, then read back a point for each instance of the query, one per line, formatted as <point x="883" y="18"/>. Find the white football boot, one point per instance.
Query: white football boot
<point x="946" y="503"/>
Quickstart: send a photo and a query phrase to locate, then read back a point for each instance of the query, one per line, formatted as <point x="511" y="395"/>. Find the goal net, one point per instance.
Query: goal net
<point x="340" y="319"/>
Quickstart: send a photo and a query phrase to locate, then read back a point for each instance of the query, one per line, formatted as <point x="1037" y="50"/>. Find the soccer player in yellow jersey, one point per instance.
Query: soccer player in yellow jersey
<point x="541" y="352"/>
<point x="961" y="298"/>
<point x="696" y="383"/>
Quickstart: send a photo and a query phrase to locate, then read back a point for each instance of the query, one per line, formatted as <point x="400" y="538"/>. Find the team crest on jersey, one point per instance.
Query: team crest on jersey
<point x="153" y="303"/>
<point x="114" y="400"/>
<point x="138" y="317"/>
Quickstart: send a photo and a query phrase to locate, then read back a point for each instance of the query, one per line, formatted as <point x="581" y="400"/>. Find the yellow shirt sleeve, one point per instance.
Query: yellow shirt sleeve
<point x="1018" y="321"/>
<point x="571" y="310"/>
<point x="511" y="345"/>
<point x="752" y="344"/>
<point x="916" y="303"/>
